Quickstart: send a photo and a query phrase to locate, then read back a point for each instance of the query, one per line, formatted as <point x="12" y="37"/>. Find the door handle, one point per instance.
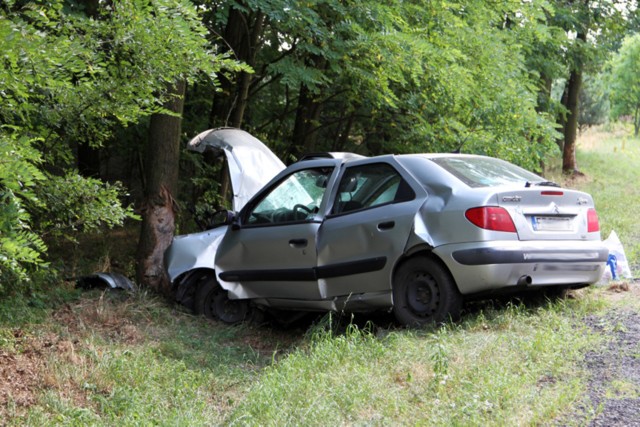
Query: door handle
<point x="298" y="243"/>
<point x="386" y="225"/>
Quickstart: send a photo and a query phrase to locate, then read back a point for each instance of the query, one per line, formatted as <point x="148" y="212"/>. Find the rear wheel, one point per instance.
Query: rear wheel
<point x="424" y="293"/>
<point x="214" y="303"/>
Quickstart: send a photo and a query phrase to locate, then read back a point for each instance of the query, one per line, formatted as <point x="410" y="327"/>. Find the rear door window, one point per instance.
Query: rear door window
<point x="368" y="186"/>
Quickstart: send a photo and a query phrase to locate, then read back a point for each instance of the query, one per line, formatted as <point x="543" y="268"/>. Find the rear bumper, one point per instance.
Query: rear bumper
<point x="484" y="266"/>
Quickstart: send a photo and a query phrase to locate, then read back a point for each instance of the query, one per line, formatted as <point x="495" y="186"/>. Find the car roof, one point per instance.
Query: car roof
<point x="341" y="155"/>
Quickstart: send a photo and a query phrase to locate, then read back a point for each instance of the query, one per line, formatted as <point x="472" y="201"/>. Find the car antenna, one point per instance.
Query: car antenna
<point x="459" y="149"/>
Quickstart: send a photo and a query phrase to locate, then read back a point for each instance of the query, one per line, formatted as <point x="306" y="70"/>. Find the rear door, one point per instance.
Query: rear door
<point x="366" y="229"/>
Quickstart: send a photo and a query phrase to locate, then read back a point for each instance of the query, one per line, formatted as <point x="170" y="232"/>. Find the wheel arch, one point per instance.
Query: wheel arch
<point x="423" y="250"/>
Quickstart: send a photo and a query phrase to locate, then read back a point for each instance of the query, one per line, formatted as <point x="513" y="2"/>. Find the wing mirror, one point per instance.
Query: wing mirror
<point x="223" y="217"/>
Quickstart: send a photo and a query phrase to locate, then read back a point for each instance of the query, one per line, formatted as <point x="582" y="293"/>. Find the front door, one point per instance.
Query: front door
<point x="272" y="254"/>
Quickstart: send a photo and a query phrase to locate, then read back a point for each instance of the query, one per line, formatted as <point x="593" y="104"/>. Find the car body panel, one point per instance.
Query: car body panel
<point x="251" y="166"/>
<point x="271" y="261"/>
<point x="251" y="163"/>
<point x="484" y="266"/>
<point x="192" y="251"/>
<point x="367" y="243"/>
<point x="337" y="245"/>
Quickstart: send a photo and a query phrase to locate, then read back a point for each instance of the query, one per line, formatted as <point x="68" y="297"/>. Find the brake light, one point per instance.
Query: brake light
<point x="552" y="193"/>
<point x="593" y="224"/>
<point x="491" y="218"/>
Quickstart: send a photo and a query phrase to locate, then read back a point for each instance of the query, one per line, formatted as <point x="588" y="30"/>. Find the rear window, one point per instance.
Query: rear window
<point x="485" y="171"/>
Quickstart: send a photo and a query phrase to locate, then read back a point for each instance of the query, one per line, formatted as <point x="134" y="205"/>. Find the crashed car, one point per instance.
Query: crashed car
<point x="414" y="234"/>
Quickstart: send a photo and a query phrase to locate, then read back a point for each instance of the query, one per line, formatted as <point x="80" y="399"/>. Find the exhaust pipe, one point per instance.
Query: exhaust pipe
<point x="524" y="281"/>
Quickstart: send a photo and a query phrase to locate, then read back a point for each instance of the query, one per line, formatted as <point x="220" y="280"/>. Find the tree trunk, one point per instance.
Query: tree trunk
<point x="636" y="121"/>
<point x="305" y="128"/>
<point x="569" y="164"/>
<point x="161" y="170"/>
<point x="242" y="35"/>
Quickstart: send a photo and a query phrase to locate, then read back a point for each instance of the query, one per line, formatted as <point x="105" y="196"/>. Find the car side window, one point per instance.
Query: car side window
<point x="366" y="186"/>
<point x="294" y="199"/>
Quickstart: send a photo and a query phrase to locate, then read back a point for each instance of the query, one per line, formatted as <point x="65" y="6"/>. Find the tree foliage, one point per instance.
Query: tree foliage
<point x="389" y="76"/>
<point x="368" y="76"/>
<point x="594" y="102"/>
<point x="68" y="79"/>
<point x="625" y="81"/>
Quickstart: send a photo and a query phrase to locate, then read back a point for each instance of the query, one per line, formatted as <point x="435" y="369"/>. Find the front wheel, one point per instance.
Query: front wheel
<point x="424" y="293"/>
<point x="214" y="303"/>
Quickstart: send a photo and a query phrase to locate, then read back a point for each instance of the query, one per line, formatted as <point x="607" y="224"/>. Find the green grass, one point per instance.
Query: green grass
<point x="505" y="366"/>
<point x="111" y="359"/>
<point x="116" y="359"/>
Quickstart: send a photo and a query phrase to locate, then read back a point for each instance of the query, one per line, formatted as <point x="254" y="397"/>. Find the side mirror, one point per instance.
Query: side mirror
<point x="223" y="217"/>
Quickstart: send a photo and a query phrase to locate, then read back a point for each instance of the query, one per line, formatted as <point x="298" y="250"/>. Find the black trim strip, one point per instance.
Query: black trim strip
<point x="483" y="256"/>
<point x="349" y="268"/>
<point x="306" y="274"/>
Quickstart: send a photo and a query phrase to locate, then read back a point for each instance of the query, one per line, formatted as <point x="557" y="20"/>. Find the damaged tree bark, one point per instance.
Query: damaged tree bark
<point x="158" y="214"/>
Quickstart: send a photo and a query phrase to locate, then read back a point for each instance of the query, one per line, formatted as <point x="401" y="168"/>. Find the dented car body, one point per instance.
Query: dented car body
<point x="415" y="234"/>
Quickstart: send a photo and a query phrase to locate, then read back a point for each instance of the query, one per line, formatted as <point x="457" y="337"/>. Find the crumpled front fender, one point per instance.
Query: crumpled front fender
<point x="191" y="251"/>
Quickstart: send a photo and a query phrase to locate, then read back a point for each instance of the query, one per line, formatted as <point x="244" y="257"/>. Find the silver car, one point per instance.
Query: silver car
<point x="415" y="234"/>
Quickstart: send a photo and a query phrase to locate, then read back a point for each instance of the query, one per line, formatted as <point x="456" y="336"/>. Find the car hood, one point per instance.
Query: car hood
<point x="251" y="163"/>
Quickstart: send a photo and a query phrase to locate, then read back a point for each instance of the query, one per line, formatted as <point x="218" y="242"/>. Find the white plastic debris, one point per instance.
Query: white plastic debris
<point x="617" y="264"/>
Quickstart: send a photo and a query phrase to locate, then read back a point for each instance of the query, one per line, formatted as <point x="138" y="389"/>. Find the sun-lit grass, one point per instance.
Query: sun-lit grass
<point x="113" y="359"/>
<point x="511" y="365"/>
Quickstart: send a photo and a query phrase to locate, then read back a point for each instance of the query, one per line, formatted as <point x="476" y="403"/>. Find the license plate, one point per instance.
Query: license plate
<point x="552" y="223"/>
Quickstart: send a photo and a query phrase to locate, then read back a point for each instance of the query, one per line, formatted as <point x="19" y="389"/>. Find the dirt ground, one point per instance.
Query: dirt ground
<point x="614" y="384"/>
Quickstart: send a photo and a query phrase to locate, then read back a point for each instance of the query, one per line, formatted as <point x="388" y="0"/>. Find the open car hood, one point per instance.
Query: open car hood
<point x="251" y="163"/>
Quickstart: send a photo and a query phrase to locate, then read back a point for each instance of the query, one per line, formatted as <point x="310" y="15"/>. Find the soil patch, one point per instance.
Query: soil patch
<point x="614" y="382"/>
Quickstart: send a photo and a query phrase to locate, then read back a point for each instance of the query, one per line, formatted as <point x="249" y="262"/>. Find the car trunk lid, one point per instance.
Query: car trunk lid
<point x="549" y="213"/>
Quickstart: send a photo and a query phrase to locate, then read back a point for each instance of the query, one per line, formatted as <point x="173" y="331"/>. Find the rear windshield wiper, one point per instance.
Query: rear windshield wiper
<point x="541" y="184"/>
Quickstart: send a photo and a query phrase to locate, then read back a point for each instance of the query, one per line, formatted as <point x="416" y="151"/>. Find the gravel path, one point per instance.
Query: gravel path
<point x="614" y="385"/>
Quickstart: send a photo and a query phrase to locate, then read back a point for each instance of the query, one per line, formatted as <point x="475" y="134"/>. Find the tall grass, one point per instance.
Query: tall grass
<point x="506" y="366"/>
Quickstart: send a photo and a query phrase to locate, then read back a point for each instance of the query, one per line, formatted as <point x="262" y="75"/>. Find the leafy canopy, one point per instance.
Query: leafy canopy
<point x="66" y="80"/>
<point x="625" y="80"/>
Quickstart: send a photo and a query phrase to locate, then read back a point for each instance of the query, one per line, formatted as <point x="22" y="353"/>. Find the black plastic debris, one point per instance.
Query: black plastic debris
<point x="105" y="280"/>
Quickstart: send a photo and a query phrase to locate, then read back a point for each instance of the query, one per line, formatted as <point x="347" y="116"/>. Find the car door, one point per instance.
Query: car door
<point x="271" y="251"/>
<point x="367" y="229"/>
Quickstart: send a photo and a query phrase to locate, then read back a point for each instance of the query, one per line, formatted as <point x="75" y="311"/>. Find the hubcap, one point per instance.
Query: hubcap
<point x="423" y="296"/>
<point x="230" y="311"/>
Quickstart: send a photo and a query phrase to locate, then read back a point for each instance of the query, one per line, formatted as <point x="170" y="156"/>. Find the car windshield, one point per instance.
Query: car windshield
<point x="296" y="198"/>
<point x="485" y="171"/>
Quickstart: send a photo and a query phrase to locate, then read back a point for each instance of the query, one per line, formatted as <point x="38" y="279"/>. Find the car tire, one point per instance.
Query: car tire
<point x="424" y="293"/>
<point x="205" y="296"/>
<point x="213" y="302"/>
<point x="186" y="291"/>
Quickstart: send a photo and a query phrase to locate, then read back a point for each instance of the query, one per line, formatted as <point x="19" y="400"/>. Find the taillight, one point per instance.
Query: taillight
<point x="592" y="221"/>
<point x="491" y="218"/>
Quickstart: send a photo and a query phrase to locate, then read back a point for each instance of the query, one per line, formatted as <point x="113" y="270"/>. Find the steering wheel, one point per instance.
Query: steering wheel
<point x="300" y="207"/>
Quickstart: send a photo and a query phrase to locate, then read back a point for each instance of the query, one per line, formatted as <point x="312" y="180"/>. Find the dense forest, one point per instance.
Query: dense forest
<point x="98" y="97"/>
